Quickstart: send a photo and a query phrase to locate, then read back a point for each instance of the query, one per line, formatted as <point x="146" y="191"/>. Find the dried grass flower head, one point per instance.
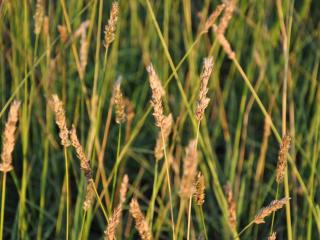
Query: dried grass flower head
<point x="199" y="194"/>
<point x="203" y="101"/>
<point x="273" y="236"/>
<point x="9" y="137"/>
<point x="111" y="27"/>
<point x="272" y="207"/>
<point x="58" y="109"/>
<point x="189" y="170"/>
<point x="166" y="130"/>
<point x="231" y="206"/>
<point x="282" y="158"/>
<point x="89" y="197"/>
<point x="119" y="103"/>
<point x="157" y="93"/>
<point x="213" y="16"/>
<point x="141" y="224"/>
<point x="84" y="162"/>
<point x="38" y="17"/>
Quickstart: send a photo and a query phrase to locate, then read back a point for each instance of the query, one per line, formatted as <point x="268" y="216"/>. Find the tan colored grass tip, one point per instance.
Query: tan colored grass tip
<point x="272" y="207"/>
<point x="141" y="224"/>
<point x="111" y="27"/>
<point x="113" y="223"/>
<point x="157" y="93"/>
<point x="90" y="194"/>
<point x="84" y="162"/>
<point x="58" y="109"/>
<point x="9" y="137"/>
<point x="119" y="103"/>
<point x="189" y="170"/>
<point x="166" y="130"/>
<point x="203" y="101"/>
<point x="282" y="158"/>
<point x="38" y="17"/>
<point x="213" y="16"/>
<point x="199" y="194"/>
<point x="273" y="236"/>
<point x="231" y="206"/>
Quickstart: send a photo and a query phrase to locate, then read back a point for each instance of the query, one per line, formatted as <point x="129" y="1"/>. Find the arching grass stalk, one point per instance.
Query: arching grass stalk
<point x="169" y="184"/>
<point x="244" y="229"/>
<point x="3" y="199"/>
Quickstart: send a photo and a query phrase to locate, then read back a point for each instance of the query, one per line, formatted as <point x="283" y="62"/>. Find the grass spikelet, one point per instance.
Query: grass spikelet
<point x="58" y="109"/>
<point x="213" y="17"/>
<point x="113" y="223"/>
<point x="199" y="194"/>
<point x="189" y="170"/>
<point x="157" y="93"/>
<point x="90" y="193"/>
<point x="124" y="188"/>
<point x="84" y="162"/>
<point x="84" y="47"/>
<point x="282" y="158"/>
<point x="229" y="9"/>
<point x="38" y="17"/>
<point x="119" y="102"/>
<point x="273" y="236"/>
<point x="9" y="138"/>
<point x="63" y="33"/>
<point x="231" y="206"/>
<point x="272" y="207"/>
<point x="203" y="101"/>
<point x="224" y="43"/>
<point x="111" y="27"/>
<point x="167" y="127"/>
<point x="141" y="224"/>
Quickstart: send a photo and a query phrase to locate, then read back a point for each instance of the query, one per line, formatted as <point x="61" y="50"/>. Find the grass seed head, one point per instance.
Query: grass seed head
<point x="9" y="137"/>
<point x="282" y="158"/>
<point x="141" y="224"/>
<point x="199" y="194"/>
<point x="111" y="27"/>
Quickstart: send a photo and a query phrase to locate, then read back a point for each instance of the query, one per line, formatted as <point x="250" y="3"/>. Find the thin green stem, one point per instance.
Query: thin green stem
<point x="169" y="184"/>
<point x="116" y="168"/>
<point x="67" y="190"/>
<point x="203" y="223"/>
<point x="100" y="203"/>
<point x="244" y="229"/>
<point x="189" y="217"/>
<point x="82" y="224"/>
<point x="274" y="213"/>
<point x="154" y="195"/>
<point x="3" y="199"/>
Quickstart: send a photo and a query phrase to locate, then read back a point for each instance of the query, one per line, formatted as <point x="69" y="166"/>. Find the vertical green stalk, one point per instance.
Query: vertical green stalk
<point x="116" y="168"/>
<point x="203" y="223"/>
<point x="67" y="190"/>
<point x="274" y="213"/>
<point x="189" y="217"/>
<point x="169" y="184"/>
<point x="3" y="199"/>
<point x="154" y="195"/>
<point x="82" y="224"/>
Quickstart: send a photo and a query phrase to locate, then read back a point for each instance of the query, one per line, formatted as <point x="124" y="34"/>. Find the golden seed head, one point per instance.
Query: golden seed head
<point x="63" y="33"/>
<point x="230" y="6"/>
<point x="231" y="206"/>
<point x="84" y="162"/>
<point x="157" y="93"/>
<point x="282" y="158"/>
<point x="199" y="194"/>
<point x="38" y="17"/>
<point x="214" y="15"/>
<point x="166" y="130"/>
<point x="203" y="101"/>
<point x="84" y="48"/>
<point x="272" y="207"/>
<point x="224" y="43"/>
<point x="141" y="224"/>
<point x="189" y="170"/>
<point x="119" y="103"/>
<point x="58" y="109"/>
<point x="124" y="189"/>
<point x="111" y="27"/>
<point x="89" y="195"/>
<point x="113" y="223"/>
<point x="9" y="138"/>
<point x="273" y="236"/>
